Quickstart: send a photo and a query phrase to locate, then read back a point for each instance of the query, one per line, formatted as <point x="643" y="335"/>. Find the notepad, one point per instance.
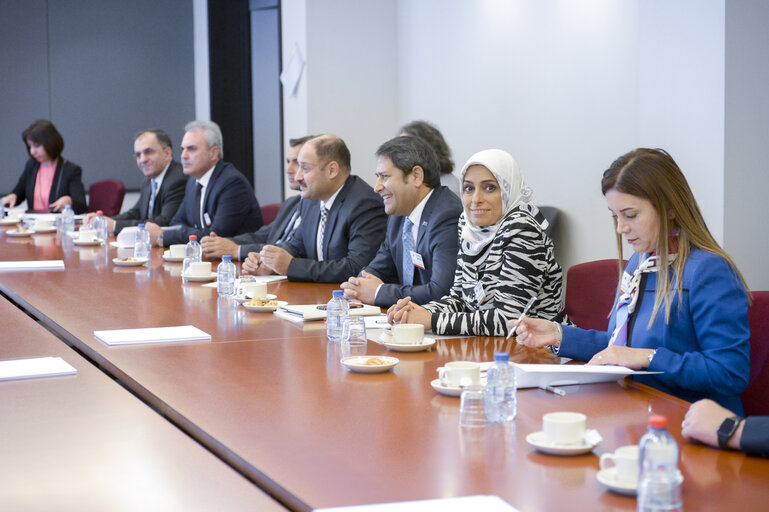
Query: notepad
<point x="179" y="334"/>
<point x="535" y="375"/>
<point x="32" y="265"/>
<point x="460" y="504"/>
<point x="257" y="279"/>
<point x="310" y="312"/>
<point x="35" y="367"/>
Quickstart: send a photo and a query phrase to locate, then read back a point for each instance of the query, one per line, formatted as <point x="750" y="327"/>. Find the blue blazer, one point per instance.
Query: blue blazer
<point x="229" y="202"/>
<point x="704" y="349"/>
<point x="437" y="243"/>
<point x="755" y="436"/>
<point x="354" y="230"/>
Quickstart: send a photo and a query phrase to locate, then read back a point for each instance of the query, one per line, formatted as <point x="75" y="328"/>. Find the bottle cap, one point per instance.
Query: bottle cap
<point x="193" y="237"/>
<point x="501" y="356"/>
<point x="141" y="226"/>
<point x="337" y="294"/>
<point x="226" y="258"/>
<point x="99" y="212"/>
<point x="658" y="421"/>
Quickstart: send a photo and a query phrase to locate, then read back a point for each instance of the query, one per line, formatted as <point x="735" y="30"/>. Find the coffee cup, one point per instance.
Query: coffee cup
<point x="564" y="428"/>
<point x="625" y="461"/>
<point x="408" y="334"/>
<point x="87" y="235"/>
<point x="199" y="269"/>
<point x="177" y="250"/>
<point x="255" y="290"/>
<point x="43" y="224"/>
<point x="453" y="373"/>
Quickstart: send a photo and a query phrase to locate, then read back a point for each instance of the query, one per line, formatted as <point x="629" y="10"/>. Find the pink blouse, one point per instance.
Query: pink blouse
<point x="43" y="186"/>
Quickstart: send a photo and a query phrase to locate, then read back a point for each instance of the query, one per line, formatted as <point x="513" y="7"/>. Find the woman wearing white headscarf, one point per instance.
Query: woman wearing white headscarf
<point x="505" y="257"/>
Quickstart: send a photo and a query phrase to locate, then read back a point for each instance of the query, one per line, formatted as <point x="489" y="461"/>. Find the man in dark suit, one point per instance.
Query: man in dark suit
<point x="218" y="199"/>
<point x="162" y="192"/>
<point x="343" y="220"/>
<point x="419" y="254"/>
<point x="282" y="229"/>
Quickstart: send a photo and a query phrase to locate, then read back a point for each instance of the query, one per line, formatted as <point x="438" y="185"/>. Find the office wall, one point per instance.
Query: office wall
<point x="100" y="70"/>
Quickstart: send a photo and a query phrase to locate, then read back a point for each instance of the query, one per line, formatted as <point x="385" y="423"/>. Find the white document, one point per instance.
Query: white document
<point x="535" y="375"/>
<point x="258" y="279"/>
<point x="462" y="504"/>
<point x="35" y="367"/>
<point x="309" y="312"/>
<point x="32" y="265"/>
<point x="152" y="335"/>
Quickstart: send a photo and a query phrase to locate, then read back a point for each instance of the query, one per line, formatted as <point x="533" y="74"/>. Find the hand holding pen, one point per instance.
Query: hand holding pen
<point x="523" y="315"/>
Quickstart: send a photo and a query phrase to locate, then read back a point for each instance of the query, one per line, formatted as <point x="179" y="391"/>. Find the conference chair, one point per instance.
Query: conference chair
<point x="755" y="399"/>
<point x="551" y="214"/>
<point x="590" y="291"/>
<point x="269" y="212"/>
<point x="107" y="196"/>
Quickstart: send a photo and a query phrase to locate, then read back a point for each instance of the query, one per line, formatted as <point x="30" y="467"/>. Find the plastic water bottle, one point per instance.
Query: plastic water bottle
<point x="500" y="400"/>
<point x="99" y="225"/>
<point x="193" y="252"/>
<point x="225" y="277"/>
<point x="336" y="311"/>
<point x="142" y="243"/>
<point x="2" y="211"/>
<point x="659" y="486"/>
<point x="67" y="219"/>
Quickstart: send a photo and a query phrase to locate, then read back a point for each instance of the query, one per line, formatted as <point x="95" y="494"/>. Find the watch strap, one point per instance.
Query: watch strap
<point x="727" y="429"/>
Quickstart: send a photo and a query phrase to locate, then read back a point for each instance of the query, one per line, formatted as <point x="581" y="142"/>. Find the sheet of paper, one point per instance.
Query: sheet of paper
<point x="32" y="265"/>
<point x="258" y="279"/>
<point x="375" y="334"/>
<point x="179" y="334"/>
<point x="35" y="367"/>
<point x="535" y="375"/>
<point x="461" y="504"/>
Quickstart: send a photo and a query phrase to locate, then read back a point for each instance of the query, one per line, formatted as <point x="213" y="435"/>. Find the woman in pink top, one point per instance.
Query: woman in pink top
<point x="48" y="182"/>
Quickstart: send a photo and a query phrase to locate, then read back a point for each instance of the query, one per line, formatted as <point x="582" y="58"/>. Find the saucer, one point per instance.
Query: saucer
<point x="10" y="221"/>
<point x="449" y="390"/>
<point x="200" y="279"/>
<point x="244" y="298"/>
<point x="167" y="256"/>
<point x="52" y="229"/>
<point x="608" y="477"/>
<point x="538" y="441"/>
<point x="129" y="262"/>
<point x="16" y="232"/>
<point x="426" y="344"/>
<point x="95" y="241"/>
<point x="264" y="309"/>
<point x="355" y="364"/>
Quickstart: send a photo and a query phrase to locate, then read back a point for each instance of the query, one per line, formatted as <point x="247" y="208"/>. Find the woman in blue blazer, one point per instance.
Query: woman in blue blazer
<point x="691" y="325"/>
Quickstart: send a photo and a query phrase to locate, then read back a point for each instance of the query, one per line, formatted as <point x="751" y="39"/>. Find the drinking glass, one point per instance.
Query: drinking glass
<point x="472" y="410"/>
<point x="354" y="335"/>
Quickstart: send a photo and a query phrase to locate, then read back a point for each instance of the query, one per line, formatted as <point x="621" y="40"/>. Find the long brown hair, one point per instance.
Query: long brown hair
<point x="652" y="174"/>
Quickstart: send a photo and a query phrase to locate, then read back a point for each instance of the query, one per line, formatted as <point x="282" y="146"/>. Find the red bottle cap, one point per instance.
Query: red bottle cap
<point x="99" y="212"/>
<point x="193" y="237"/>
<point x="658" y="422"/>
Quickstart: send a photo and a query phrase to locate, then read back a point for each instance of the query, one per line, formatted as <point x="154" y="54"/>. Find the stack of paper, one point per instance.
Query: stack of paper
<point x="32" y="265"/>
<point x="536" y="375"/>
<point x="36" y="367"/>
<point x="461" y="504"/>
<point x="310" y="312"/>
<point x="183" y="333"/>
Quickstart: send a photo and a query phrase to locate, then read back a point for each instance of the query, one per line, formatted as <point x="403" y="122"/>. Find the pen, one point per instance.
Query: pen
<point x="525" y="310"/>
<point x="557" y="391"/>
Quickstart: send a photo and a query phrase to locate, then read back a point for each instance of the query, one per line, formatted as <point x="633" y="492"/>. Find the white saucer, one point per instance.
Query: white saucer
<point x="608" y="477"/>
<point x="17" y="233"/>
<point x="264" y="309"/>
<point x="129" y="262"/>
<point x="449" y="390"/>
<point x="426" y="344"/>
<point x="243" y="298"/>
<point x="354" y="364"/>
<point x="95" y="241"/>
<point x="167" y="256"/>
<point x="538" y="441"/>
<point x="10" y="222"/>
<point x="200" y="279"/>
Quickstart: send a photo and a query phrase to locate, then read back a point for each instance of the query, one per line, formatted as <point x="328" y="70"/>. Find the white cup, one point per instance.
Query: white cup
<point x="176" y="250"/>
<point x="43" y="224"/>
<point x="625" y="460"/>
<point x="255" y="290"/>
<point x="564" y="428"/>
<point x="87" y="235"/>
<point x="408" y="334"/>
<point x="199" y="269"/>
<point x="453" y="373"/>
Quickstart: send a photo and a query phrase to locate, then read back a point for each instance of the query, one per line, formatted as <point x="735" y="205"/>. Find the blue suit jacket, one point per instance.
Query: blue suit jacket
<point x="354" y="231"/>
<point x="755" y="436"/>
<point x="229" y="202"/>
<point x="437" y="243"/>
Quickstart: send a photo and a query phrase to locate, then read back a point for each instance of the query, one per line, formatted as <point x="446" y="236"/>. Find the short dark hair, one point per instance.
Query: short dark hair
<point x="408" y="152"/>
<point x="429" y="133"/>
<point x="43" y="132"/>
<point x="300" y="140"/>
<point x="163" y="139"/>
<point x="330" y="148"/>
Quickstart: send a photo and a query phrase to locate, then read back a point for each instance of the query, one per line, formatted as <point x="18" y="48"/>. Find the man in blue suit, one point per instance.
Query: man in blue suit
<point x="343" y="221"/>
<point x="419" y="254"/>
<point x="219" y="198"/>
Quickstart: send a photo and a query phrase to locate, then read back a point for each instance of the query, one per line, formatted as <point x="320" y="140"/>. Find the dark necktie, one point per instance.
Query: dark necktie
<point x="198" y="197"/>
<point x="151" y="206"/>
<point x="322" y="229"/>
<point x="408" y="248"/>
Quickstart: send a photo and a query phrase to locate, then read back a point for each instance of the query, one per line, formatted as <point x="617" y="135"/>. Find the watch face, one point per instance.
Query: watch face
<point x="727" y="429"/>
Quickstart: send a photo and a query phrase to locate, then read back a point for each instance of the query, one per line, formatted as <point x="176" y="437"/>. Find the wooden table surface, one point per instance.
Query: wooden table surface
<point x="271" y="399"/>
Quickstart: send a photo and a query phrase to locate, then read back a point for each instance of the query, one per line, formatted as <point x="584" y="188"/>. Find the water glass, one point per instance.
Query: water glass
<point x="472" y="409"/>
<point x="354" y="331"/>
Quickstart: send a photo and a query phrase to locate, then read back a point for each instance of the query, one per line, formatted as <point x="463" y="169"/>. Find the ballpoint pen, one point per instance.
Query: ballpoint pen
<point x="552" y="389"/>
<point x="523" y="314"/>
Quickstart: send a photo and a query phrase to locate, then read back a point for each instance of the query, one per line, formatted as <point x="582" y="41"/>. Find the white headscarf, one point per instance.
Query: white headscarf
<point x="514" y="192"/>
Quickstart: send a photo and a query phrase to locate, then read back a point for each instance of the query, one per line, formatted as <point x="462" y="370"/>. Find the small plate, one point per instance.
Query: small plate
<point x="10" y="222"/>
<point x="355" y="364"/>
<point x="167" y="256"/>
<point x="264" y="309"/>
<point x="538" y="441"/>
<point x="16" y="232"/>
<point x="129" y="262"/>
<point x="95" y="241"/>
<point x="200" y="279"/>
<point x="426" y="344"/>
<point x="52" y="229"/>
<point x="608" y="477"/>
<point x="243" y="298"/>
<point x="450" y="390"/>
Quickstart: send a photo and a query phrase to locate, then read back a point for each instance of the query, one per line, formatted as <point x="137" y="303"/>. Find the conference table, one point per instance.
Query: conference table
<point x="270" y="398"/>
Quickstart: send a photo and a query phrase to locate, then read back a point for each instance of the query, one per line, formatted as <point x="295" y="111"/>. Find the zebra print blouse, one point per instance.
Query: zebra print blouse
<point x="518" y="263"/>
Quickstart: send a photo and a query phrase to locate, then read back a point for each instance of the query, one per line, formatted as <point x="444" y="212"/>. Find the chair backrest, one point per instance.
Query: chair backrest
<point x="756" y="398"/>
<point x="551" y="214"/>
<point x="107" y="196"/>
<point x="590" y="290"/>
<point x="269" y="212"/>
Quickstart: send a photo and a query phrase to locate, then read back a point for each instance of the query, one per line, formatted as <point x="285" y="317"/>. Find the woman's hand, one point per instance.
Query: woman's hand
<point x="9" y="200"/>
<point x="60" y="203"/>
<point x="535" y="332"/>
<point x="634" y="358"/>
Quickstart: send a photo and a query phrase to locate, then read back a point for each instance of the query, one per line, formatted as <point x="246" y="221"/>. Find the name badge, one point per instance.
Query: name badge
<point x="207" y="218"/>
<point x="626" y="278"/>
<point x="416" y="259"/>
<point x="480" y="294"/>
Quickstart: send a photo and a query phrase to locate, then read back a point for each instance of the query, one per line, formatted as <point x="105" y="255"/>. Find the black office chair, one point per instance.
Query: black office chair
<point x="551" y="214"/>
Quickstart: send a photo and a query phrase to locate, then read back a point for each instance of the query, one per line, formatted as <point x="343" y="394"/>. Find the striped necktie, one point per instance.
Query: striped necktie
<point x="151" y="206"/>
<point x="408" y="247"/>
<point x="321" y="231"/>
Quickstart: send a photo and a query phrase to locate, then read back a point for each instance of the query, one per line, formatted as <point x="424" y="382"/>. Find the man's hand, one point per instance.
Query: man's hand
<point x="214" y="247"/>
<point x="154" y="230"/>
<point x="362" y="288"/>
<point x="276" y="259"/>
